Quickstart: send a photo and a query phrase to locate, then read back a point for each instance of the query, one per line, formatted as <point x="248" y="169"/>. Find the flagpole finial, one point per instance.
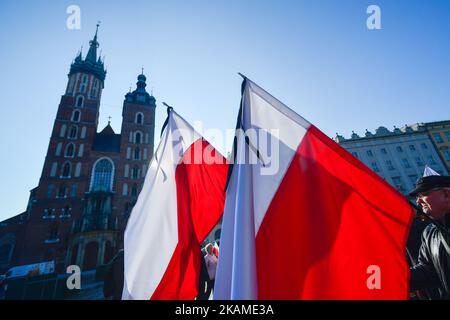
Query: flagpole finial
<point x="169" y="108"/>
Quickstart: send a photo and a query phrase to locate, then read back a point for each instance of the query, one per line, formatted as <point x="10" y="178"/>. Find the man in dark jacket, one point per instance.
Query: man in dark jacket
<point x="432" y="195"/>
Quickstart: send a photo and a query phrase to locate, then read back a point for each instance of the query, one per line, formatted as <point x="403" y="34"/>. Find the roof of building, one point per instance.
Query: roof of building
<point x="106" y="140"/>
<point x="382" y="132"/>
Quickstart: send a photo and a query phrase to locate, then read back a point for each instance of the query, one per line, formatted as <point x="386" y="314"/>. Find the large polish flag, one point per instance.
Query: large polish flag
<point x="306" y="220"/>
<point x="182" y="199"/>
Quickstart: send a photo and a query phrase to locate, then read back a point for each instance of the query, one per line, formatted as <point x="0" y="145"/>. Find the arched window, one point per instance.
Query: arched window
<point x="135" y="172"/>
<point x="65" y="173"/>
<point x="80" y="102"/>
<point x="139" y="118"/>
<point x="76" y="115"/>
<point x="70" y="151"/>
<point x="137" y="154"/>
<point x="137" y="137"/>
<point x="102" y="175"/>
<point x="73" y="132"/>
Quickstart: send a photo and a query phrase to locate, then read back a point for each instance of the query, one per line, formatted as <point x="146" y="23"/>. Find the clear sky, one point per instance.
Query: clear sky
<point x="316" y="56"/>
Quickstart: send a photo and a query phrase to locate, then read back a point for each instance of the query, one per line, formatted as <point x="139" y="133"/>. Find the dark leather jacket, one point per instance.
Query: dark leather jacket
<point x="433" y="268"/>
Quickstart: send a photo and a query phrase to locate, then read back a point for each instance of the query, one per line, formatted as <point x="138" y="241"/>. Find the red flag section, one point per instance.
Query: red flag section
<point x="181" y="201"/>
<point x="321" y="225"/>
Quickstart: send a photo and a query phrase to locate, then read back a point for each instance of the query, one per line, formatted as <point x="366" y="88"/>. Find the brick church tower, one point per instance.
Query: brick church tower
<point x="90" y="180"/>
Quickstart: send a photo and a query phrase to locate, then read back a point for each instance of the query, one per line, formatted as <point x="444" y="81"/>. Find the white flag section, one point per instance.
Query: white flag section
<point x="180" y="202"/>
<point x="429" y="172"/>
<point x="303" y="218"/>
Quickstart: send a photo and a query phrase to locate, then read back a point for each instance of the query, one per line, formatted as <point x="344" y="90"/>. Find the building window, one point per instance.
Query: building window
<point x="419" y="161"/>
<point x="355" y="154"/>
<point x="53" y="169"/>
<point x="81" y="150"/>
<point x="102" y="176"/>
<point x="62" y="191"/>
<point x="73" y="191"/>
<point x="398" y="183"/>
<point x="62" y="131"/>
<point x="134" y="191"/>
<point x="76" y="115"/>
<point x="424" y="146"/>
<point x="139" y="118"/>
<point x="447" y="134"/>
<point x="128" y="153"/>
<point x="126" y="171"/>
<point x="125" y="190"/>
<point x="399" y="149"/>
<point x="66" y="170"/>
<point x="412" y="148"/>
<point x="84" y="81"/>
<point x="406" y="163"/>
<point x="375" y="167"/>
<point x="58" y="149"/>
<point x="135" y="172"/>
<point x="70" y="151"/>
<point x="83" y="133"/>
<point x="138" y="137"/>
<point x="383" y="151"/>
<point x="50" y="191"/>
<point x="78" y="169"/>
<point x="71" y="85"/>
<point x="80" y="102"/>
<point x="431" y="160"/>
<point x="94" y="89"/>
<point x="446" y="155"/>
<point x="73" y="132"/>
<point x="438" y="138"/>
<point x="389" y="165"/>
<point x="370" y="153"/>
<point x="137" y="154"/>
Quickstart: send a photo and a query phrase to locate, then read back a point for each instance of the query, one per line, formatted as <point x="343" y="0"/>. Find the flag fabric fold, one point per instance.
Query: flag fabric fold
<point x="306" y="220"/>
<point x="181" y="201"/>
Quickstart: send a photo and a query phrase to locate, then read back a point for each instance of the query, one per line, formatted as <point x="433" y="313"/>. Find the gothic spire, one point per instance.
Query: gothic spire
<point x="93" y="45"/>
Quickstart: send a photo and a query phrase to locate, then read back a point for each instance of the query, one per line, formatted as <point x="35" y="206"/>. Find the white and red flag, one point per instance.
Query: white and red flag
<point x="303" y="218"/>
<point x="181" y="200"/>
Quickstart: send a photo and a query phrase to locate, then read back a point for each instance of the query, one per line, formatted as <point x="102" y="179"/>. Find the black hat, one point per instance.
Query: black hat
<point x="430" y="182"/>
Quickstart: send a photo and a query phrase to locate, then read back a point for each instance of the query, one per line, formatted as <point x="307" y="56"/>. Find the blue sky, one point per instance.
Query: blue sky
<point x="317" y="56"/>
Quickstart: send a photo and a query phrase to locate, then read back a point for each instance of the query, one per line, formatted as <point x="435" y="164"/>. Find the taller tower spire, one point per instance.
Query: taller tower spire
<point x="90" y="64"/>
<point x="93" y="45"/>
